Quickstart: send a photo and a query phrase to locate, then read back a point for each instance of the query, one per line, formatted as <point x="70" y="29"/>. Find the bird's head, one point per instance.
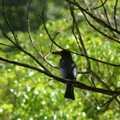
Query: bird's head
<point x="63" y="53"/>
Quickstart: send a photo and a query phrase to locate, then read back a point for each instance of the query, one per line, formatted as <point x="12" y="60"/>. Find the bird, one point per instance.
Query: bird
<point x="68" y="70"/>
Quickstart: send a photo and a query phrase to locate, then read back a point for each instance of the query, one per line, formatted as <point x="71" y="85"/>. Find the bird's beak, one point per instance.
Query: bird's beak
<point x="57" y="52"/>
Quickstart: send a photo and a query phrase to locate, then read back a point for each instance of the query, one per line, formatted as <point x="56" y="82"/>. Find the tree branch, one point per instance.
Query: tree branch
<point x="76" y="83"/>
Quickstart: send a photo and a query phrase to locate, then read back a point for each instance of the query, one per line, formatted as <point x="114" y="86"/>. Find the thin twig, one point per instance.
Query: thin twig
<point x="99" y="21"/>
<point x="93" y="8"/>
<point x="114" y="96"/>
<point x="92" y="81"/>
<point x="3" y="32"/>
<point x="73" y="31"/>
<point x="98" y="30"/>
<point x="32" y="42"/>
<point x="79" y="34"/>
<point x="115" y="12"/>
<point x="29" y="31"/>
<point x="99" y="6"/>
<point x="105" y="11"/>
<point x="5" y="45"/>
<point x="33" y="57"/>
<point x="7" y="22"/>
<point x="47" y="31"/>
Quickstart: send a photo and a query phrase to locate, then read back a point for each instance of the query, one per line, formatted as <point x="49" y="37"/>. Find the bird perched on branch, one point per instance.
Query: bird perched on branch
<point x="68" y="70"/>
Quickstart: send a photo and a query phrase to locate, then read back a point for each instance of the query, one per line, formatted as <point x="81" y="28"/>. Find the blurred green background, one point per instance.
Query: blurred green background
<point x="28" y="95"/>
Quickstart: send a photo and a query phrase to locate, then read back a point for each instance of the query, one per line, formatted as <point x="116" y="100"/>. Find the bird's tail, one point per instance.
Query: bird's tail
<point x="69" y="93"/>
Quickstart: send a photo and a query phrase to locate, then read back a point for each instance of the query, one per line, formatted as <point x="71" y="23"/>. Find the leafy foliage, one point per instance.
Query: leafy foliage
<point x="27" y="94"/>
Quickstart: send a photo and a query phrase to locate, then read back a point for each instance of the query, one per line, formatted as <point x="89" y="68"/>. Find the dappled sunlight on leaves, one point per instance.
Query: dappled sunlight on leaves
<point x="26" y="94"/>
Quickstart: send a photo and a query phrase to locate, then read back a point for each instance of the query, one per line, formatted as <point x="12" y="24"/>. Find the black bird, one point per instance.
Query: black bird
<point x="68" y="70"/>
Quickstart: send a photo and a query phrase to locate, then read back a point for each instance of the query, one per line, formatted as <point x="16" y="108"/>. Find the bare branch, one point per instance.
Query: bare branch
<point x="79" y="34"/>
<point x="99" y="21"/>
<point x="106" y="14"/>
<point x="33" y="57"/>
<point x="8" y="38"/>
<point x="108" y="101"/>
<point x="103" y="3"/>
<point x="29" y="31"/>
<point x="97" y="60"/>
<point x="7" y="22"/>
<point x="47" y="31"/>
<point x="93" y="8"/>
<point x="115" y="11"/>
<point x="9" y="46"/>
<point x="98" y="30"/>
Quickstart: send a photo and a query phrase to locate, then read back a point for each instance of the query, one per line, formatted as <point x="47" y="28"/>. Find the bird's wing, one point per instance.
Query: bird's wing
<point x="73" y="70"/>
